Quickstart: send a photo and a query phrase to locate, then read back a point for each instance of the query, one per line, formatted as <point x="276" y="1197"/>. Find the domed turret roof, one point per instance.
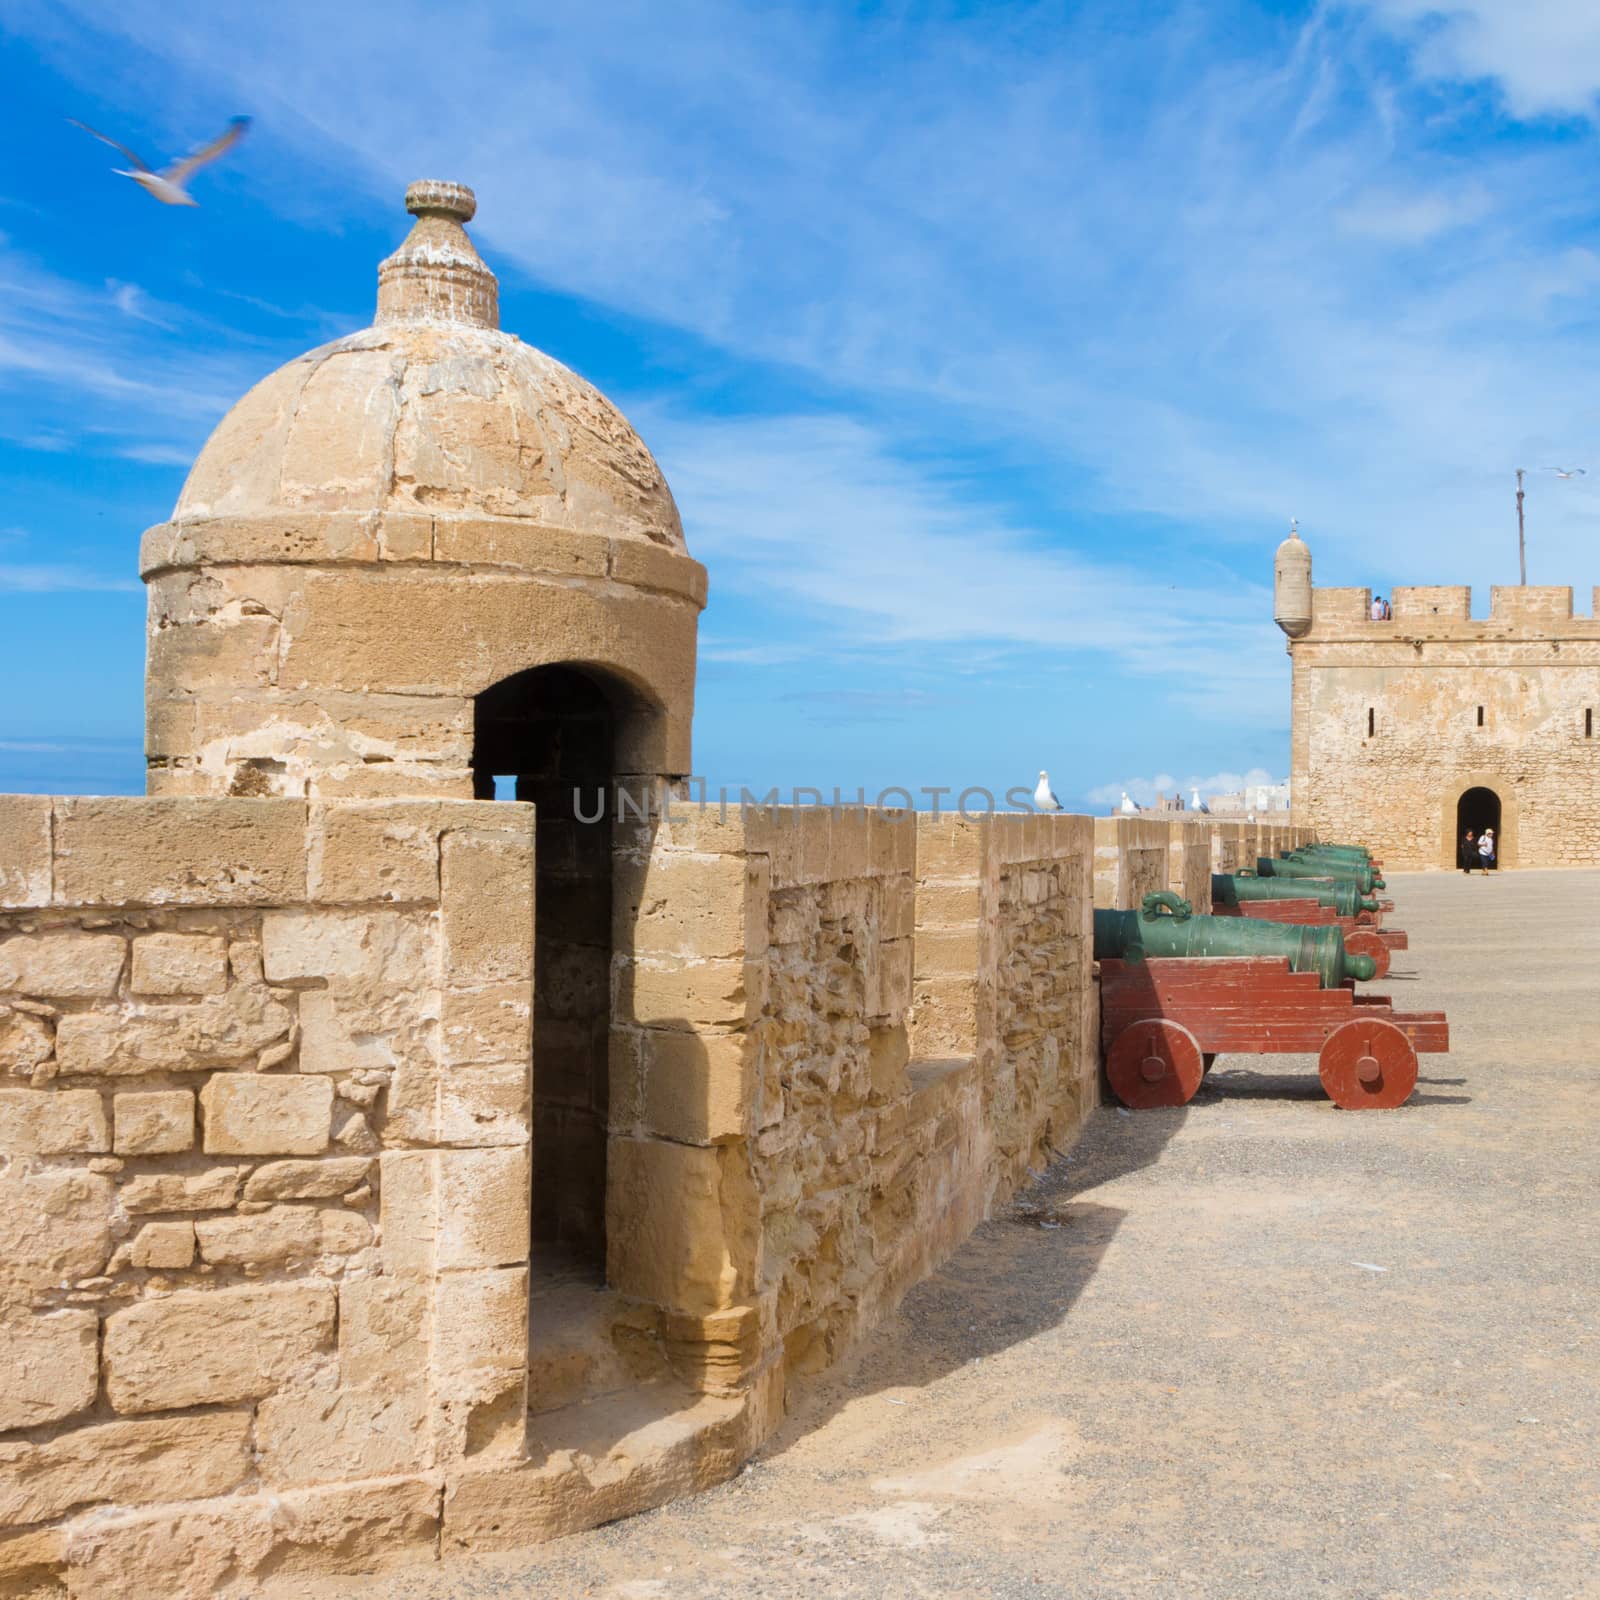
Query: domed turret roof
<point x="433" y="410"/>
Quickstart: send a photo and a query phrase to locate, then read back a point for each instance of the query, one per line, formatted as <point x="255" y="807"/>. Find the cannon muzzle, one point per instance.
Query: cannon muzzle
<point x="1165" y="925"/>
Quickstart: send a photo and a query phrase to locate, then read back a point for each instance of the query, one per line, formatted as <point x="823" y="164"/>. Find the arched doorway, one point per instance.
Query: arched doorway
<point x="547" y="735"/>
<point x="1477" y="809"/>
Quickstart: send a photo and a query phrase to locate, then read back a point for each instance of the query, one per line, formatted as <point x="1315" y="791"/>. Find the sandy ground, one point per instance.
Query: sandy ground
<point x="1257" y="1346"/>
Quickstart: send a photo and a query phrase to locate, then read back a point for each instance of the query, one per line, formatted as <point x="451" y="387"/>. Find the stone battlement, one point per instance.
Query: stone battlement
<point x="1445" y="611"/>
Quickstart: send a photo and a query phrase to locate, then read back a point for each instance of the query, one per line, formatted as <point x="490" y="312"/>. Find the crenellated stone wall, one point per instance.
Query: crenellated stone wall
<point x="275" y="1299"/>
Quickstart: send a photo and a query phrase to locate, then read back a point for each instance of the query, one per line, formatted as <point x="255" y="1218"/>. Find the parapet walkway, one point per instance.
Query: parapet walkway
<point x="1257" y="1346"/>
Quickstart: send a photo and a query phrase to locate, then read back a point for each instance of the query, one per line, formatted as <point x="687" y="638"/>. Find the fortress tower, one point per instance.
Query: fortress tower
<point x="402" y="560"/>
<point x="1409" y="731"/>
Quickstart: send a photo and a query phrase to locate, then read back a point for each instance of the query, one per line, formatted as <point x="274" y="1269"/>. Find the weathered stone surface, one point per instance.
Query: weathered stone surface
<point x="255" y="1544"/>
<point x="30" y="1564"/>
<point x="680" y="1223"/>
<point x="484" y="1105"/>
<point x="383" y="1328"/>
<point x="260" y="1238"/>
<point x="180" y="852"/>
<point x="249" y="1114"/>
<point x="179" y="963"/>
<point x="165" y="1458"/>
<point x="483" y="1207"/>
<point x="409" y="1209"/>
<point x="376" y="851"/>
<point x="670" y="993"/>
<point x="308" y="1180"/>
<point x="480" y="1332"/>
<point x="315" y="1430"/>
<point x="692" y="905"/>
<point x="49" y="1366"/>
<point x="692" y="1087"/>
<point x="487" y="909"/>
<point x="154" y="1122"/>
<point x="163" y="1246"/>
<point x="493" y="1024"/>
<point x="24" y="850"/>
<point x="26" y="1041"/>
<point x="213" y="1347"/>
<point x="336" y="1037"/>
<point x="69" y="966"/>
<point x="223" y="1031"/>
<point x="343" y="1232"/>
<point x="172" y="1191"/>
<point x="46" y="1122"/>
<point x="391" y="946"/>
<point x="55" y="1226"/>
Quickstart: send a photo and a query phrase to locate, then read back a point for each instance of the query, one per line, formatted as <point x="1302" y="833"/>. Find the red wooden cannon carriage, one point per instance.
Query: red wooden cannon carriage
<point x="1164" y="1020"/>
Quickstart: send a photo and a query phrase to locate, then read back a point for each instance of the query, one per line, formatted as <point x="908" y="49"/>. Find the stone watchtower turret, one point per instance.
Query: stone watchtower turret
<point x="404" y="559"/>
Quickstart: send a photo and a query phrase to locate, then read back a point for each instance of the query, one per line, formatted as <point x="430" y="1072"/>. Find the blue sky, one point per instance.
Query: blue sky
<point x="988" y="349"/>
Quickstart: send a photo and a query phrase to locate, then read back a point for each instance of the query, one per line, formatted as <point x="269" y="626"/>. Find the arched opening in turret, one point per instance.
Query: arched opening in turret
<point x="548" y="735"/>
<point x="1477" y="809"/>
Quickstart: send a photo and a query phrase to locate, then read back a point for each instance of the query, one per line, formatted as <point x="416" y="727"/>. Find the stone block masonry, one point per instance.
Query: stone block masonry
<point x="217" y="1030"/>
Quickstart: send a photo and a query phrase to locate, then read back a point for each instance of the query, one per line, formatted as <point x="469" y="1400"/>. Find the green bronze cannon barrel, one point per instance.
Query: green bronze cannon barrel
<point x="1317" y="852"/>
<point x="1229" y="889"/>
<point x="1165" y="926"/>
<point x="1364" y="877"/>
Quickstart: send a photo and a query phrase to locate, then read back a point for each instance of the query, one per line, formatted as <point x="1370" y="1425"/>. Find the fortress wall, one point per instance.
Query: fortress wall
<point x="265" y="1208"/>
<point x="1396" y="786"/>
<point x="1530" y="604"/>
<point x="1189" y="862"/>
<point x="1438" y="602"/>
<point x="266" y="1220"/>
<point x="1131" y="858"/>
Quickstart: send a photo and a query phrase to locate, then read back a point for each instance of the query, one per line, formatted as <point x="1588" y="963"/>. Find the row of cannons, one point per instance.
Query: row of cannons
<point x="1273" y="970"/>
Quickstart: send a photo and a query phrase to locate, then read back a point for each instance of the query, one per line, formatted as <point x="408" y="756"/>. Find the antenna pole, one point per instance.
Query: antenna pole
<point x="1522" y="542"/>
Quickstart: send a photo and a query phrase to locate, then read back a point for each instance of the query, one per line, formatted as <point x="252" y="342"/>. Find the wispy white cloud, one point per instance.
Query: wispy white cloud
<point x="1543" y="56"/>
<point x="52" y="578"/>
<point x="1146" y="791"/>
<point x="1182" y="262"/>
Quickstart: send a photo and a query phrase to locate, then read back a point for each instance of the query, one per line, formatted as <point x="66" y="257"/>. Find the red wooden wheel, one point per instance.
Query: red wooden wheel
<point x="1154" y="1062"/>
<point x="1368" y="1064"/>
<point x="1365" y="942"/>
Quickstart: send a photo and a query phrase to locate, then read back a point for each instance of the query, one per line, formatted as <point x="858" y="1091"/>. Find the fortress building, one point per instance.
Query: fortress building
<point x="404" y="1149"/>
<point x="1408" y="731"/>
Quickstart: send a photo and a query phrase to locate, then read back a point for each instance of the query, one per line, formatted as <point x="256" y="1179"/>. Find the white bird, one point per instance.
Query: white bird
<point x="1130" y="808"/>
<point x="1044" y="797"/>
<point x="1566" y="472"/>
<point x="168" y="185"/>
<point x="1198" y="804"/>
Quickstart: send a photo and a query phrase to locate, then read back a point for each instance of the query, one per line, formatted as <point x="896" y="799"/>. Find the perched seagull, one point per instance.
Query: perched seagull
<point x="1198" y="804"/>
<point x="1044" y="797"/>
<point x="1130" y="808"/>
<point x="168" y="185"/>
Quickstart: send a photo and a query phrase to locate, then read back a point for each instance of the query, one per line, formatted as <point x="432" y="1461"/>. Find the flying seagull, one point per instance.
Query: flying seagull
<point x="168" y="185"/>
<point x="1044" y="797"/>
<point x="1566" y="472"/>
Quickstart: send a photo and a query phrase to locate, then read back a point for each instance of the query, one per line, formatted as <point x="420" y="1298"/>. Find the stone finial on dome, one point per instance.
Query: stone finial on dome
<point x="436" y="275"/>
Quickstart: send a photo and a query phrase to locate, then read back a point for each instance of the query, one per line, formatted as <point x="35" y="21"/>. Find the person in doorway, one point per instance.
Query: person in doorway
<point x="1469" y="851"/>
<point x="1486" y="850"/>
<point x="1377" y="608"/>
